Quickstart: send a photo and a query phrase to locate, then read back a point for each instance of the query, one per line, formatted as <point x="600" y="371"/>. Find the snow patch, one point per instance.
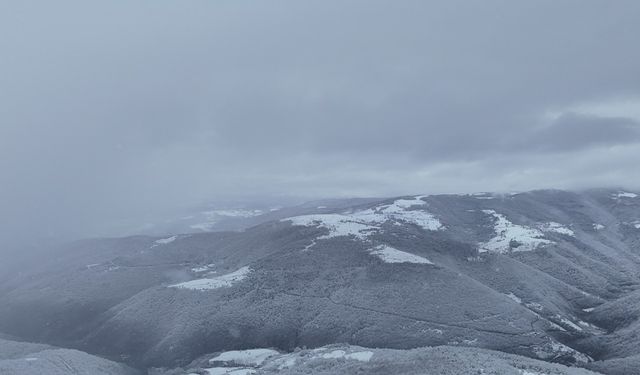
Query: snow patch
<point x="234" y="213"/>
<point x="467" y="342"/>
<point x="481" y="195"/>
<point x="205" y="227"/>
<point x="334" y="354"/>
<point x="357" y="356"/>
<point x="164" y="241"/>
<point x="590" y="309"/>
<point x="534" y="306"/>
<point x="512" y="237"/>
<point x="250" y="357"/>
<point x="398" y="210"/>
<point x="229" y="371"/>
<point x="360" y="356"/>
<point x="216" y="282"/>
<point x="569" y="323"/>
<point x="536" y="309"/>
<point x="402" y="204"/>
<point x="624" y="194"/>
<point x="554" y="349"/>
<point x="557" y="228"/>
<point x="286" y="361"/>
<point x="527" y="372"/>
<point x="514" y="297"/>
<point x="391" y="255"/>
<point x="598" y="226"/>
<point x="338" y="225"/>
<point x="364" y="223"/>
<point x="203" y="268"/>
<point x="432" y="331"/>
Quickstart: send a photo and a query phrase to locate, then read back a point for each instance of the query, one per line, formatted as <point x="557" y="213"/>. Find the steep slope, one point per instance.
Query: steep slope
<point x="20" y="358"/>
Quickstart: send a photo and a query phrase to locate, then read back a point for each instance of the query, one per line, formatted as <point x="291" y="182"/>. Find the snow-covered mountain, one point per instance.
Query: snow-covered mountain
<point x="549" y="275"/>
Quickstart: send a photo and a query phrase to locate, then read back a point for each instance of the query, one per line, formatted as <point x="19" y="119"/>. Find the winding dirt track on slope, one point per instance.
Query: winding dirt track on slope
<point x="433" y="322"/>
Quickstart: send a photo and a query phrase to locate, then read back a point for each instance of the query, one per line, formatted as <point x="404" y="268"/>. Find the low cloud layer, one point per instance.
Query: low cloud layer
<point x="114" y="109"/>
<point x="572" y="132"/>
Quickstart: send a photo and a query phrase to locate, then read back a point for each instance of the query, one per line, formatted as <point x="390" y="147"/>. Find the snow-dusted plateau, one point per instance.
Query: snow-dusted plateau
<point x="536" y="283"/>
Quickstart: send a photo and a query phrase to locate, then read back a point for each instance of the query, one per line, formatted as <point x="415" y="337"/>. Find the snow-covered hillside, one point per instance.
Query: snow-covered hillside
<point x="548" y="275"/>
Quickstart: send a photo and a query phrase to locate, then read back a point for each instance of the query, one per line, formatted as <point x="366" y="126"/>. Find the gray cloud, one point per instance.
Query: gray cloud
<point x="115" y="109"/>
<point x="571" y="132"/>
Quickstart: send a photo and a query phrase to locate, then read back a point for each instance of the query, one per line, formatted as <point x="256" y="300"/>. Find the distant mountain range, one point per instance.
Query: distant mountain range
<point x="549" y="275"/>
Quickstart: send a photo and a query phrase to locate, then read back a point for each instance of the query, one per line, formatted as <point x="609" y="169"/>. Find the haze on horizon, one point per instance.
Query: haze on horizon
<point x="117" y="109"/>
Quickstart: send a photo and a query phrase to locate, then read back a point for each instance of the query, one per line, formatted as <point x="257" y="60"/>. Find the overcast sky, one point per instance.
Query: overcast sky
<point x="115" y="108"/>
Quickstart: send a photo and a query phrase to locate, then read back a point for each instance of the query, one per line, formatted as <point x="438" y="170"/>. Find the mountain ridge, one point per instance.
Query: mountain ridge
<point x="527" y="273"/>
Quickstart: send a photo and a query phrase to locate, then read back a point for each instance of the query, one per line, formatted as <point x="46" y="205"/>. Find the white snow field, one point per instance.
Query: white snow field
<point x="250" y="357"/>
<point x="164" y="241"/>
<point x="215" y="282"/>
<point x="557" y="228"/>
<point x="624" y="194"/>
<point x="364" y="356"/>
<point x="507" y="233"/>
<point x="363" y="223"/>
<point x="391" y="255"/>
